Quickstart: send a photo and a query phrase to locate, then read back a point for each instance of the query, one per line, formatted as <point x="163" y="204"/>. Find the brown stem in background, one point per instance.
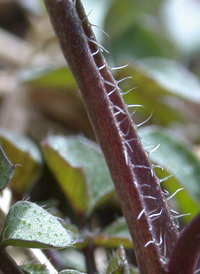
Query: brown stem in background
<point x="90" y="259"/>
<point x="8" y="265"/>
<point x="151" y="227"/>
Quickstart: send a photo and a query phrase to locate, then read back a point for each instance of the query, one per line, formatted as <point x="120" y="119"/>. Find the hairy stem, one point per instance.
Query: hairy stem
<point x="151" y="227"/>
<point x="187" y="249"/>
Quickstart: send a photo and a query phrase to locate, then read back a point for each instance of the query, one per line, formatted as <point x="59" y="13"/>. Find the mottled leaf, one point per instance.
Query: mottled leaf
<point x="29" y="225"/>
<point x="35" y="269"/>
<point x="118" y="263"/>
<point x="80" y="168"/>
<point x="6" y="169"/>
<point x="70" y="271"/>
<point x="26" y="156"/>
<point x="115" y="234"/>
<point x="175" y="155"/>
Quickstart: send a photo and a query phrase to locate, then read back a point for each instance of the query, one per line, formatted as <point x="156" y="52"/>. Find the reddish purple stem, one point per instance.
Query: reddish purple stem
<point x="187" y="249"/>
<point x="151" y="227"/>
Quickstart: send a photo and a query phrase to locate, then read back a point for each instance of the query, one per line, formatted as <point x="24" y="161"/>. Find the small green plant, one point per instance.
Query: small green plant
<point x="84" y="174"/>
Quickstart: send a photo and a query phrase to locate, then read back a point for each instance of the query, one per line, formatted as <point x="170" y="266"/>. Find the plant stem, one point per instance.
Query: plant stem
<point x="88" y="251"/>
<point x="187" y="249"/>
<point x="90" y="260"/>
<point x="150" y="224"/>
<point x="8" y="265"/>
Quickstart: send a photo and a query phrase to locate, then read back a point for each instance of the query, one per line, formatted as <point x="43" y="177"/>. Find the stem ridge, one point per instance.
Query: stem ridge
<point x="128" y="162"/>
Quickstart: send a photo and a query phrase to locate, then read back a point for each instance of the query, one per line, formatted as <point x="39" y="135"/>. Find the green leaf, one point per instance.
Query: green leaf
<point x="49" y="77"/>
<point x="133" y="270"/>
<point x="161" y="85"/>
<point x="115" y="234"/>
<point x="6" y="169"/>
<point x="115" y="21"/>
<point x="29" y="225"/>
<point x="171" y="77"/>
<point x="175" y="155"/>
<point x="135" y="43"/>
<point x="79" y="239"/>
<point x="80" y="169"/>
<point x="72" y="258"/>
<point x="70" y="271"/>
<point x="118" y="263"/>
<point x="137" y="35"/>
<point x="35" y="269"/>
<point x="26" y="156"/>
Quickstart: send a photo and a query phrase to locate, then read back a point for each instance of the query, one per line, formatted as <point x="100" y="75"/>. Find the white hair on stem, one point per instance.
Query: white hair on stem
<point x="145" y="121"/>
<point x="102" y="67"/>
<point x="149" y="242"/>
<point x="125" y="78"/>
<point x="103" y="31"/>
<point x="96" y="43"/>
<point x="86" y="17"/>
<point x="178" y="190"/>
<point x="140" y="214"/>
<point x="126" y="92"/>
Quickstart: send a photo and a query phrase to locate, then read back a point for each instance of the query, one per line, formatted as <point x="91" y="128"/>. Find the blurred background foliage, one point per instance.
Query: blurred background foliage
<point x="160" y="40"/>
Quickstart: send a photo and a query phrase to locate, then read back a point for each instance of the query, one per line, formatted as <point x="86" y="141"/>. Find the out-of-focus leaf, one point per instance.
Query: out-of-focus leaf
<point x="133" y="270"/>
<point x="58" y="77"/>
<point x="6" y="169"/>
<point x="35" y="269"/>
<point x="118" y="263"/>
<point x="29" y="225"/>
<point x="80" y="168"/>
<point x="162" y="86"/>
<point x="135" y="43"/>
<point x="177" y="158"/>
<point x="135" y="31"/>
<point x="170" y="77"/>
<point x="123" y="14"/>
<point x="72" y="258"/>
<point x="185" y="33"/>
<point x="25" y="154"/>
<point x="70" y="271"/>
<point x="114" y="235"/>
<point x="79" y="239"/>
